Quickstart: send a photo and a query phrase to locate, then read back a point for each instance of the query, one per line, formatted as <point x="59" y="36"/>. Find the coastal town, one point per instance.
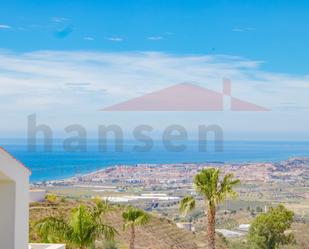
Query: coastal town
<point x="180" y="175"/>
<point x="145" y="184"/>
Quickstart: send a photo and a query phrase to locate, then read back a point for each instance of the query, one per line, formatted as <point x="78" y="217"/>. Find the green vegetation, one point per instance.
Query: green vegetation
<point x="133" y="217"/>
<point x="207" y="183"/>
<point x="187" y="204"/>
<point x="81" y="230"/>
<point x="111" y="244"/>
<point x="51" y="198"/>
<point x="268" y="230"/>
<point x="159" y="233"/>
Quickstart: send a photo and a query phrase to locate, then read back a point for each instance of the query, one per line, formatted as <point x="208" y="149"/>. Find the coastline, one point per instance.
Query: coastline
<point x="254" y="166"/>
<point x="60" y="165"/>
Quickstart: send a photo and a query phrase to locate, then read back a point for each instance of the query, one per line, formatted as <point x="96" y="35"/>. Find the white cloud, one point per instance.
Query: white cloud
<point x="114" y="39"/>
<point x="4" y="26"/>
<point x="237" y="29"/>
<point x="125" y="73"/>
<point x="72" y="85"/>
<point x="58" y="19"/>
<point x="88" y="38"/>
<point x="155" y="38"/>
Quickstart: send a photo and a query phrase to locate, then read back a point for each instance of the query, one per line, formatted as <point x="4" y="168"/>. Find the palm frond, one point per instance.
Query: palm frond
<point x="53" y="228"/>
<point x="226" y="187"/>
<point x="187" y="204"/>
<point x="81" y="230"/>
<point x="207" y="183"/>
<point x="101" y="207"/>
<point x="107" y="231"/>
<point x="134" y="216"/>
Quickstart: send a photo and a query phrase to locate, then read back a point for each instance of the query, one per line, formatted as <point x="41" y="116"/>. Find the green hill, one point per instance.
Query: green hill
<point x="160" y="233"/>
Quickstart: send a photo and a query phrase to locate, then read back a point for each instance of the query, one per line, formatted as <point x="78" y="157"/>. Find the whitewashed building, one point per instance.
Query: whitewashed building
<point x="14" y="205"/>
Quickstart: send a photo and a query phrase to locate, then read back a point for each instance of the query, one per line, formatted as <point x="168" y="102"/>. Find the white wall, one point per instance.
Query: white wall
<point x="22" y="213"/>
<point x="47" y="246"/>
<point x="7" y="214"/>
<point x="15" y="209"/>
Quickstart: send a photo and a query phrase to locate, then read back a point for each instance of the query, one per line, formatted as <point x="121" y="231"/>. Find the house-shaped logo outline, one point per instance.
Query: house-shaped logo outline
<point x="187" y="97"/>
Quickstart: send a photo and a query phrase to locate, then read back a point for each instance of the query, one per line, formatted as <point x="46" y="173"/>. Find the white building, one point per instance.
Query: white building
<point x="244" y="227"/>
<point x="229" y="233"/>
<point x="14" y="205"/>
<point x="14" y="209"/>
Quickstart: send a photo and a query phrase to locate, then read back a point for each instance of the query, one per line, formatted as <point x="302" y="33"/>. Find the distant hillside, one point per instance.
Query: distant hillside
<point x="160" y="233"/>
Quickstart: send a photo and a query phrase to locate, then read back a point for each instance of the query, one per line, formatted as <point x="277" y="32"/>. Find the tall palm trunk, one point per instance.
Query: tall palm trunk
<point x="211" y="227"/>
<point x="132" y="238"/>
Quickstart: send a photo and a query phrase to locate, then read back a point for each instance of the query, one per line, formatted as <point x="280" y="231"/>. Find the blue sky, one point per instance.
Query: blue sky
<point x="272" y="31"/>
<point x="63" y="55"/>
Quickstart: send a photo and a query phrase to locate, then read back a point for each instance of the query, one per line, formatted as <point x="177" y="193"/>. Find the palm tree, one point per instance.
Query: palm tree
<point x="133" y="217"/>
<point x="214" y="190"/>
<point x="82" y="228"/>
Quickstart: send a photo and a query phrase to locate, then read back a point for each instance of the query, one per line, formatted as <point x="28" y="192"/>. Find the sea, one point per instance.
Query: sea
<point x="59" y="163"/>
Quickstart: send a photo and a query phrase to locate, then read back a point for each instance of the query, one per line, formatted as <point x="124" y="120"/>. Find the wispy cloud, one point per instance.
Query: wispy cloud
<point x="114" y="39"/>
<point x="88" y="38"/>
<point x="57" y="19"/>
<point x="79" y="84"/>
<point x="155" y="38"/>
<point x="126" y="73"/>
<point x="4" y="26"/>
<point x="237" y="30"/>
<point x="73" y="83"/>
<point x="247" y="29"/>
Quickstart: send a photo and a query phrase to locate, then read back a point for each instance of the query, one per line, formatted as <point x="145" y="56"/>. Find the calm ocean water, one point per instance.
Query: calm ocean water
<point x="60" y="164"/>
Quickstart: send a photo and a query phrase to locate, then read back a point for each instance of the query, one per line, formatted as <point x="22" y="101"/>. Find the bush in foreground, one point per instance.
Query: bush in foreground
<point x="268" y="230"/>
